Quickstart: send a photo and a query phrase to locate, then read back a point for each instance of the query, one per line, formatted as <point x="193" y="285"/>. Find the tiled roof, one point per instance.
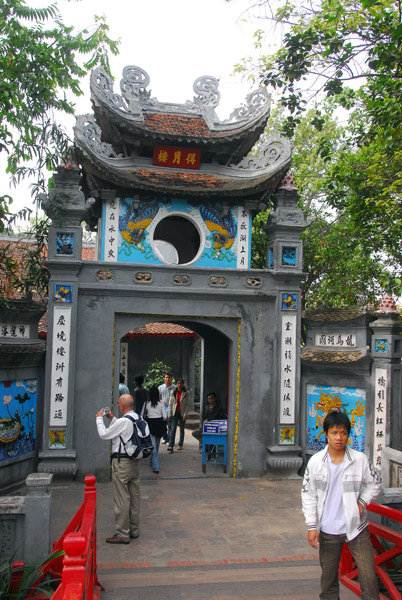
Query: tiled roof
<point x="317" y="355"/>
<point x="23" y="348"/>
<point x="176" y="177"/>
<point x="162" y="329"/>
<point x="329" y="315"/>
<point x="177" y="125"/>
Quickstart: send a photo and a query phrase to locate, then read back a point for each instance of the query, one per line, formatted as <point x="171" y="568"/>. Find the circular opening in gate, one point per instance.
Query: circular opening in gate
<point x="176" y="240"/>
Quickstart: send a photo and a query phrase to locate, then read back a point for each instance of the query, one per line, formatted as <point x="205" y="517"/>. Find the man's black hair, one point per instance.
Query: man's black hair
<point x="121" y="378"/>
<point x="336" y="418"/>
<point x="211" y="394"/>
<point x="139" y="379"/>
<point x="167" y="373"/>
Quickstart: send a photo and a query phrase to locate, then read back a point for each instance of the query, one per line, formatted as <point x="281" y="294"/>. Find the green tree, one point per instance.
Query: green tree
<point x="42" y="61"/>
<point x="342" y="265"/>
<point x="155" y="373"/>
<point x="349" y="51"/>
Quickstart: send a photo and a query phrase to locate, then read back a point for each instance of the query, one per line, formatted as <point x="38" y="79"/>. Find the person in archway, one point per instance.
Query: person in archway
<point x="154" y="413"/>
<point x="164" y="396"/>
<point x="177" y="413"/>
<point x="123" y="389"/>
<point x="140" y="394"/>
<point x="213" y="411"/>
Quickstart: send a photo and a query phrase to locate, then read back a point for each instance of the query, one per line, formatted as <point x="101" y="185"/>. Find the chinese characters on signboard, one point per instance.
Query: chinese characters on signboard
<point x="111" y="235"/>
<point x="174" y="157"/>
<point x="288" y="369"/>
<point x="60" y="365"/>
<point x="14" y="330"/>
<point x="243" y="231"/>
<point x="336" y="340"/>
<point x="380" y="415"/>
<point x="124" y="359"/>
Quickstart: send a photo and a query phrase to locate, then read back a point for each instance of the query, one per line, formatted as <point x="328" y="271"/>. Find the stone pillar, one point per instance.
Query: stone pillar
<point x="25" y="522"/>
<point x="285" y="260"/>
<point x="67" y="207"/>
<point x="38" y="502"/>
<point x="386" y="350"/>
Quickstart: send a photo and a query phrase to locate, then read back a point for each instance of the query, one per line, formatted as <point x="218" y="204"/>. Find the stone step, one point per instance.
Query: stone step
<point x="193" y="420"/>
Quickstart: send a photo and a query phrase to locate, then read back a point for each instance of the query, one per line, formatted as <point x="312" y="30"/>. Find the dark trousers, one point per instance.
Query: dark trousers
<point x="330" y="554"/>
<point x="177" y="419"/>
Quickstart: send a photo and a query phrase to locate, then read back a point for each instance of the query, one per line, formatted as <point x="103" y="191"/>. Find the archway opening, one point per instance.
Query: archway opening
<point x="199" y="354"/>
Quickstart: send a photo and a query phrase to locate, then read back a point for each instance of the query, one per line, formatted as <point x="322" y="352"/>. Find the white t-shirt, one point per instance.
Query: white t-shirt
<point x="333" y="516"/>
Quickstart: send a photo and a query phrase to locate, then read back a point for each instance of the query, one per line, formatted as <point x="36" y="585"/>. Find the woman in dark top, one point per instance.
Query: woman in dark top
<point x="154" y="412"/>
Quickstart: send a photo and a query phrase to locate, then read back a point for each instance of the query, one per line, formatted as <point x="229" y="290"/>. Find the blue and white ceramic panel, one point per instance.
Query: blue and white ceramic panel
<point x="17" y="418"/>
<point x="320" y="400"/>
<point x="128" y="229"/>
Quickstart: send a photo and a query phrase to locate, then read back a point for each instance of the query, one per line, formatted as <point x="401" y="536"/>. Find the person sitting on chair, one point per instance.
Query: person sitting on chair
<point x="213" y="411"/>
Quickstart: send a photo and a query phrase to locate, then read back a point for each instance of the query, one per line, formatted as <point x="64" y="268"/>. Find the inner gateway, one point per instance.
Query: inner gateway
<point x="176" y="240"/>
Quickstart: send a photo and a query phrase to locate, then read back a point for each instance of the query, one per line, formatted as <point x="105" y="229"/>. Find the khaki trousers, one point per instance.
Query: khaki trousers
<point x="126" y="493"/>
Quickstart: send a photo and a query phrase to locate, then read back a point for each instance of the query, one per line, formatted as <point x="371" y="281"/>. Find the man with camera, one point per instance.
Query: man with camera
<point x="125" y="470"/>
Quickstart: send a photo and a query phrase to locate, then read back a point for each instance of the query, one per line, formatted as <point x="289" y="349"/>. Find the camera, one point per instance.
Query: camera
<point x="105" y="411"/>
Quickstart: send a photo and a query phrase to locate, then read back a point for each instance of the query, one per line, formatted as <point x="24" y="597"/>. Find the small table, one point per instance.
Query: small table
<point x="214" y="439"/>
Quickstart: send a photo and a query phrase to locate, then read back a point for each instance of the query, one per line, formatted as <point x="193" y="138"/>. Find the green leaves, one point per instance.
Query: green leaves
<point x="42" y="61"/>
<point x="350" y="53"/>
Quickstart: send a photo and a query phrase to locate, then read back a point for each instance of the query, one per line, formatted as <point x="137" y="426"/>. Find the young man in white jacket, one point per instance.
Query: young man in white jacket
<point x="338" y="484"/>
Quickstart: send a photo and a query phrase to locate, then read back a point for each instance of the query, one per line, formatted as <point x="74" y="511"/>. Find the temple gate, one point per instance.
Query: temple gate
<point x="172" y="194"/>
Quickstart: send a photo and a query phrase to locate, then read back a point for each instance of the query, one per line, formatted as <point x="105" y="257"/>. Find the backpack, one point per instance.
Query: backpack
<point x="140" y="443"/>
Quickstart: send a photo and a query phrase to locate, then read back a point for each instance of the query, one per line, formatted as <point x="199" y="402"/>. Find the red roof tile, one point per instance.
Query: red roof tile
<point x="177" y="125"/>
<point x="330" y="356"/>
<point x="162" y="329"/>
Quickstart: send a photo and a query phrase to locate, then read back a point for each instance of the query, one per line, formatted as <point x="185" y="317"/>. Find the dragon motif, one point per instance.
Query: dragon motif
<point x="134" y="222"/>
<point x="223" y="228"/>
<point x="324" y="405"/>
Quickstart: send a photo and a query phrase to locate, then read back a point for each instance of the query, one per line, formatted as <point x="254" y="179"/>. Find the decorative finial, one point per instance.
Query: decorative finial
<point x="387" y="305"/>
<point x="288" y="182"/>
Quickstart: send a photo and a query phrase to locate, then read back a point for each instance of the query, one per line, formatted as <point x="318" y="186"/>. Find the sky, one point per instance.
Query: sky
<point x="175" y="42"/>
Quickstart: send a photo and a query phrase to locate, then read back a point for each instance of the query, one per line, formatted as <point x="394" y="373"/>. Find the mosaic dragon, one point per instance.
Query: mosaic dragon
<point x="329" y="401"/>
<point x="223" y="228"/>
<point x="134" y="223"/>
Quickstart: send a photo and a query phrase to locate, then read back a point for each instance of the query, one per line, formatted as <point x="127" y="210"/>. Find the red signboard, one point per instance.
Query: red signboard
<point x="174" y="157"/>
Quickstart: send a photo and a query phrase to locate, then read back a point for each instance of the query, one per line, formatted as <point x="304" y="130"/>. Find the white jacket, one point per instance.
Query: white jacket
<point x="360" y="482"/>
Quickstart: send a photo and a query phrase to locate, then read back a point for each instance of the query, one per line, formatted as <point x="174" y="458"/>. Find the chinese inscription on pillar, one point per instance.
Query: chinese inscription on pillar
<point x="288" y="369"/>
<point x="380" y="415"/>
<point x="60" y="366"/>
<point x="243" y="245"/>
<point x="111" y="235"/>
<point x="124" y="359"/>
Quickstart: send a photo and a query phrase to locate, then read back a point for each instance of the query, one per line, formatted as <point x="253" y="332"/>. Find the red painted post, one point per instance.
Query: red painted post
<point x="74" y="560"/>
<point x="16" y="574"/>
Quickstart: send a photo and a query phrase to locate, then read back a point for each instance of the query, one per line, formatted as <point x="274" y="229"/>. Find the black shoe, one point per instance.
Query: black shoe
<point x="134" y="536"/>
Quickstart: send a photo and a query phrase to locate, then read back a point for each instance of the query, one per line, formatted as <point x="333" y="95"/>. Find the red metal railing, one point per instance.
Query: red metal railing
<point x="384" y="556"/>
<point x="77" y="568"/>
